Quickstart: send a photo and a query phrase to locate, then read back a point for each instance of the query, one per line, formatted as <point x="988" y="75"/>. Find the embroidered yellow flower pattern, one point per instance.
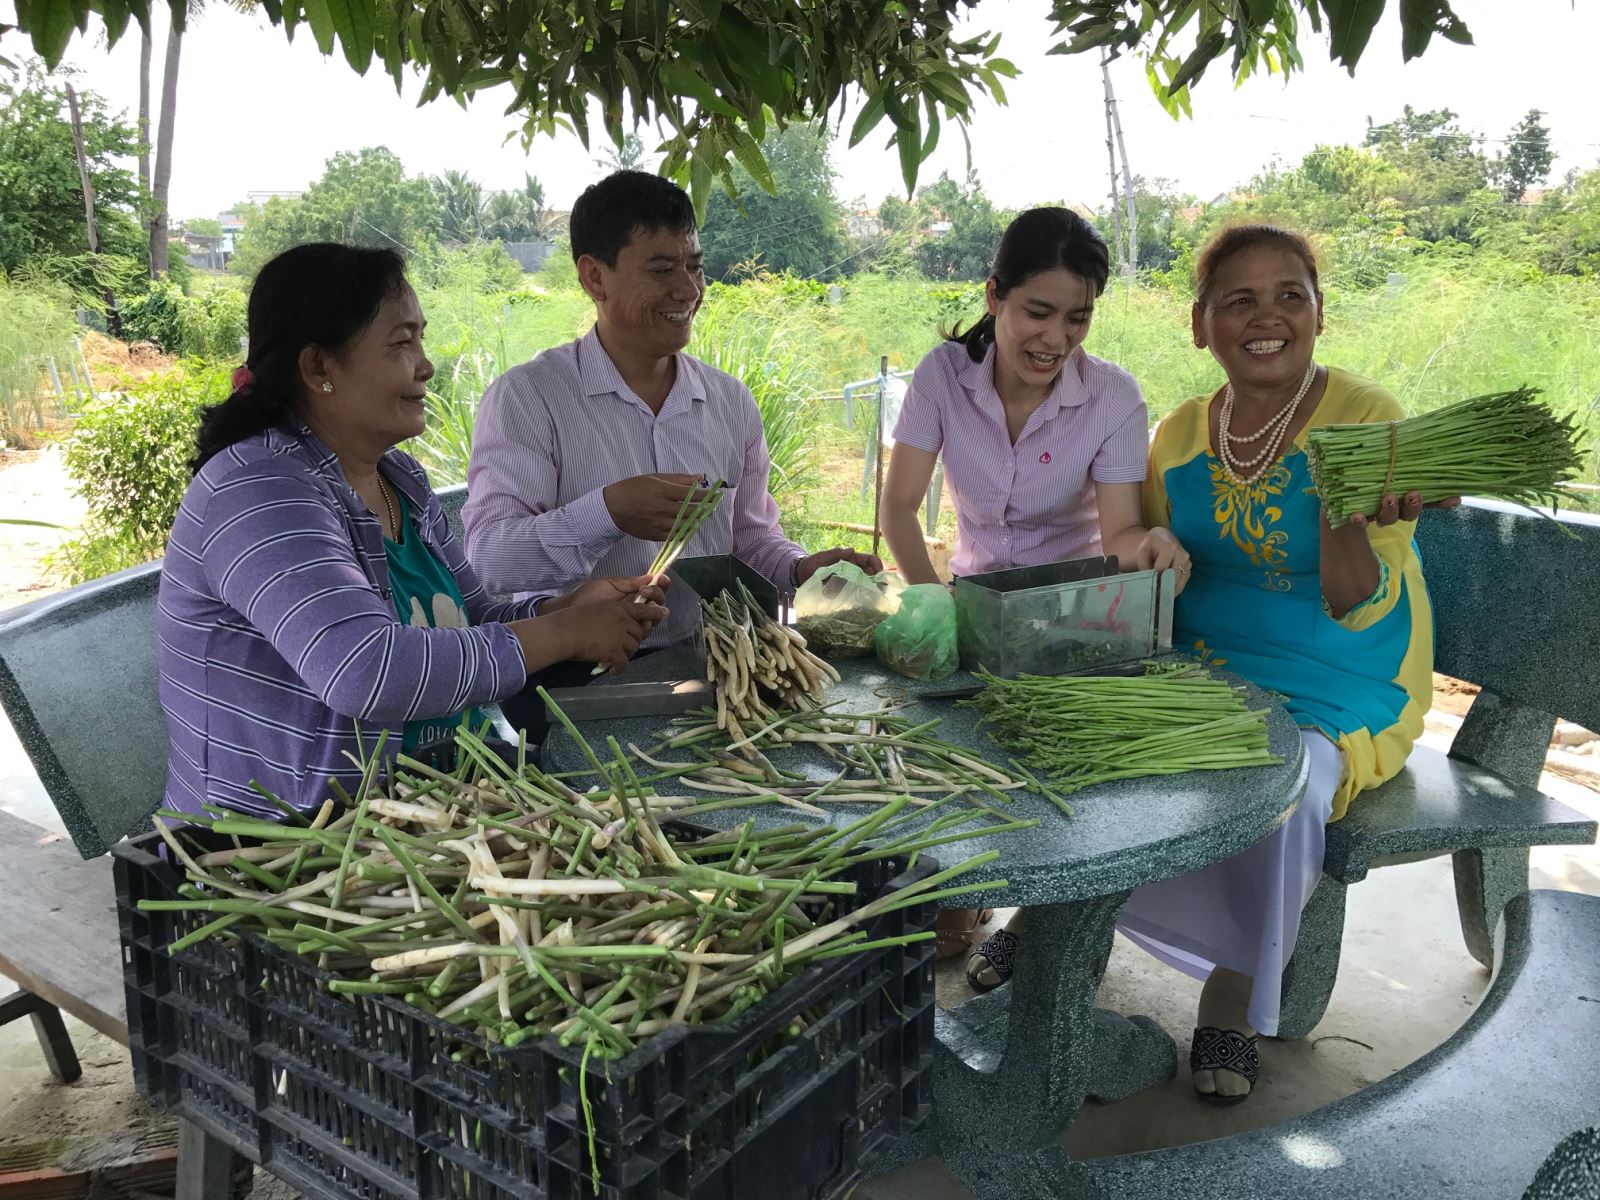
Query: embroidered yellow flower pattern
<point x="1207" y="655"/>
<point x="1245" y="510"/>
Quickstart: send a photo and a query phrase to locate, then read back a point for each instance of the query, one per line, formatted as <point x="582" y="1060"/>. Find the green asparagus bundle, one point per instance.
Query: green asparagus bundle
<point x="1084" y="730"/>
<point x="503" y="900"/>
<point x="1506" y="445"/>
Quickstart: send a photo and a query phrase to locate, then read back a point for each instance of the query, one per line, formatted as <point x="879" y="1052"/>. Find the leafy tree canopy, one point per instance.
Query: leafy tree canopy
<point x="364" y="198"/>
<point x="794" y="228"/>
<point x="41" y="195"/>
<point x="717" y="73"/>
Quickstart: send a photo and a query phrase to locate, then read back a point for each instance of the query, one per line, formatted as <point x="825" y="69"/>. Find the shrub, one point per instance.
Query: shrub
<point x="206" y="326"/>
<point x="129" y="455"/>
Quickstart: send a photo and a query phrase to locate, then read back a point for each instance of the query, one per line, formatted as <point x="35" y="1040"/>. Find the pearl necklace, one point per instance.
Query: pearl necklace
<point x="1238" y="469"/>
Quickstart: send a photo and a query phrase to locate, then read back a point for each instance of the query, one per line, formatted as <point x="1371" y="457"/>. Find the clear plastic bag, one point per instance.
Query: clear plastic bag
<point x="840" y="606"/>
<point x="919" y="639"/>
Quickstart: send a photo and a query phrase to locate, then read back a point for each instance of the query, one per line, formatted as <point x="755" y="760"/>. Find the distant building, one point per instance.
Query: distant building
<point x="863" y="224"/>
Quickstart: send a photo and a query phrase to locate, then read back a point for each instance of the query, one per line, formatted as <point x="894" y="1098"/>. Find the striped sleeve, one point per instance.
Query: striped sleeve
<point x="518" y="537"/>
<point x="278" y="555"/>
<point x="921" y="423"/>
<point x="1125" y="446"/>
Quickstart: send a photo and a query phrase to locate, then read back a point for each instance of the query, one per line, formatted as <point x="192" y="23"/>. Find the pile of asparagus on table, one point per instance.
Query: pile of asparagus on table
<point x="1085" y="730"/>
<point x="770" y="694"/>
<point x="500" y="898"/>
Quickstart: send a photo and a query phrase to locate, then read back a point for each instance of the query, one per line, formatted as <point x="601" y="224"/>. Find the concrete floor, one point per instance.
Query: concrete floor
<point x="1405" y="985"/>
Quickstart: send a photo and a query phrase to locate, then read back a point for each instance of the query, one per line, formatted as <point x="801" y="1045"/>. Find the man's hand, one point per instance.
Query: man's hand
<point x="644" y="506"/>
<point x="1159" y="550"/>
<point x="1400" y="508"/>
<point x="811" y="564"/>
<point x="606" y="632"/>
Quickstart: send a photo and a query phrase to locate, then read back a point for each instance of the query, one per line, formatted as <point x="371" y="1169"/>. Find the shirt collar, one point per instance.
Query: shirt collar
<point x="1069" y="391"/>
<point x="406" y="476"/>
<point x="600" y="377"/>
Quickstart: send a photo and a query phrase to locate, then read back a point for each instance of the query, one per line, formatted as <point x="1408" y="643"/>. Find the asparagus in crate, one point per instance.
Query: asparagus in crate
<point x="1094" y="729"/>
<point x="503" y="900"/>
<point x="1506" y="445"/>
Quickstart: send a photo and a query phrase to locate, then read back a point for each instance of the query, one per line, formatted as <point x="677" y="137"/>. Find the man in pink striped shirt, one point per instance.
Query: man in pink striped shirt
<point x="582" y="456"/>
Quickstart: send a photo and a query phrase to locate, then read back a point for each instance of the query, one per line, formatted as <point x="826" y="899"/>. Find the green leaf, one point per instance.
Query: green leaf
<point x="320" y="17"/>
<point x="1350" y="24"/>
<point x="644" y="21"/>
<point x="871" y="113"/>
<point x="679" y="77"/>
<point x="700" y="174"/>
<point x="1421" y="19"/>
<point x="354" y="21"/>
<point x="1097" y="36"/>
<point x="910" y="146"/>
<point x="51" y="25"/>
<point x="751" y="159"/>
<point x="1204" y="54"/>
<point x="931" y="139"/>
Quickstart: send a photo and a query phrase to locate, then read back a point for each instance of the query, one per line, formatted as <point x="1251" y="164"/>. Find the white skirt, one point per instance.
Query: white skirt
<point x="1243" y="913"/>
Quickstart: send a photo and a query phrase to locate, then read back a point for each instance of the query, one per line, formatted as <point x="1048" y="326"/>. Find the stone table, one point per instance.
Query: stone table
<point x="1015" y="1066"/>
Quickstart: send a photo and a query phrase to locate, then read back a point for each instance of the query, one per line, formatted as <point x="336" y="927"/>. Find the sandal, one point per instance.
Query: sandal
<point x="951" y="942"/>
<point x="1216" y="1049"/>
<point x="999" y="954"/>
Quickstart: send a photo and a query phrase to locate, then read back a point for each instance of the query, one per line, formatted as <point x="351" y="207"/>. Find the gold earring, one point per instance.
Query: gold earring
<point x="326" y="386"/>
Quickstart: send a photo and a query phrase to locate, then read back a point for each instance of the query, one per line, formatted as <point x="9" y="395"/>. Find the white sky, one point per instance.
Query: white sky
<point x="256" y="112"/>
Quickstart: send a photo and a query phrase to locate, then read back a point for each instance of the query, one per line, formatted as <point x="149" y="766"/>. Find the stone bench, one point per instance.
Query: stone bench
<point x="1499" y="578"/>
<point x="1471" y="1120"/>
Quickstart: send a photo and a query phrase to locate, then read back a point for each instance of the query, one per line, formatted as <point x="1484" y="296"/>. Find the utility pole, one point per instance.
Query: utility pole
<point x="1130" y="255"/>
<point x="1111" y="157"/>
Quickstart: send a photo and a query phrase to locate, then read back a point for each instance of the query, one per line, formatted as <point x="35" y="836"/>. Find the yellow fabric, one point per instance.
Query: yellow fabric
<point x="1254" y="602"/>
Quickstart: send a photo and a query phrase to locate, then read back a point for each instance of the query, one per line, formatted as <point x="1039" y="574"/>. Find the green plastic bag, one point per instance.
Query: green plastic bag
<point x="919" y="640"/>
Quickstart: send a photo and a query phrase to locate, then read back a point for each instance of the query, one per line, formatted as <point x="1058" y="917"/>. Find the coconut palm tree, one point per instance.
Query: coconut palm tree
<point x="506" y="218"/>
<point x="463" y="202"/>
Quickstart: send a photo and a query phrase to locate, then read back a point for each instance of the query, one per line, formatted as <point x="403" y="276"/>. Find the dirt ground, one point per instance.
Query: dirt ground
<point x="34" y="486"/>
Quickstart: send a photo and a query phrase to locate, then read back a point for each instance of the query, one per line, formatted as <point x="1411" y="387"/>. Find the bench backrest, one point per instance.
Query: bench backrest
<point x="451" y="499"/>
<point x="1516" y="601"/>
<point x="78" y="681"/>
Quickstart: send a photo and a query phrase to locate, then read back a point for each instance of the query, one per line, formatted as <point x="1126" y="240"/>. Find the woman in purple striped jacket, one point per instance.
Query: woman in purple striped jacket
<point x="1044" y="451"/>
<point x="312" y="587"/>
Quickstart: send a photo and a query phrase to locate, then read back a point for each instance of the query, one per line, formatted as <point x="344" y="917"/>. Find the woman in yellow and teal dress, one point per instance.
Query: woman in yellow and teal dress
<point x="1337" y="621"/>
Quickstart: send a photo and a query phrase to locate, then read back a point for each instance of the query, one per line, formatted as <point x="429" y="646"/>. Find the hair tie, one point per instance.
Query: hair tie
<point x="243" y="377"/>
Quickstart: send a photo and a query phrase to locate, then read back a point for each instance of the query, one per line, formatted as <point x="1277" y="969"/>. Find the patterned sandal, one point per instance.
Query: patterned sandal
<point x="1216" y="1049"/>
<point x="999" y="953"/>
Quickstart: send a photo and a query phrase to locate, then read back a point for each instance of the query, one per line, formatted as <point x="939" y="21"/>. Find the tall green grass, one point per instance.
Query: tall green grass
<point x="36" y="325"/>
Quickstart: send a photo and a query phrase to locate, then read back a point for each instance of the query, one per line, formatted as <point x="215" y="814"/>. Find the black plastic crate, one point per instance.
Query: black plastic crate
<point x="363" y="1097"/>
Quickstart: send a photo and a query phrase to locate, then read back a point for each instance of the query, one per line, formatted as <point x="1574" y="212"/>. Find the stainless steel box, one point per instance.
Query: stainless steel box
<point x="1062" y="617"/>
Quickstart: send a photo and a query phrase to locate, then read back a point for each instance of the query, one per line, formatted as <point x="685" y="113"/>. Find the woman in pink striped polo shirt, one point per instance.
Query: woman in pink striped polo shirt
<point x="1044" y="448"/>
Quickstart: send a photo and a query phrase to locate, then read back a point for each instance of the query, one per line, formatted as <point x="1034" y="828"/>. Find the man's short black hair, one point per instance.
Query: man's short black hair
<point x="607" y="214"/>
